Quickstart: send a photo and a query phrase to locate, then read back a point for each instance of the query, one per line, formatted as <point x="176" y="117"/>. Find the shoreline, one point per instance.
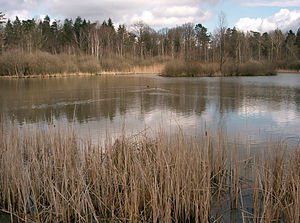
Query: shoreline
<point x="155" y="69"/>
<point x="288" y="71"/>
<point x="75" y="75"/>
<point x="136" y="72"/>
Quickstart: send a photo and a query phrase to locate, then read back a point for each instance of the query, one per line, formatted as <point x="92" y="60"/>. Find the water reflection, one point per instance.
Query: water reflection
<point x="254" y="107"/>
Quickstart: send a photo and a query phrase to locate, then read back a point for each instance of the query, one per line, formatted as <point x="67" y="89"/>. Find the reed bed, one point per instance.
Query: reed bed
<point x="20" y="64"/>
<point x="52" y="175"/>
<point x="180" y="68"/>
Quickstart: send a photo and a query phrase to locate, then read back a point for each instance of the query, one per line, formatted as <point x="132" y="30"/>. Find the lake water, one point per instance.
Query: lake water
<point x="251" y="108"/>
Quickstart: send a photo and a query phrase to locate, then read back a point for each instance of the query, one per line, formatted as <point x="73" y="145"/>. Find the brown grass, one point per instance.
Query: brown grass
<point x="180" y="68"/>
<point x="18" y="63"/>
<point x="52" y="175"/>
<point x="130" y="66"/>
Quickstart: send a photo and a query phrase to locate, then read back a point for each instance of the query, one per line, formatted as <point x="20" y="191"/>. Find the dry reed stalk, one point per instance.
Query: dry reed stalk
<point x="51" y="175"/>
<point x="152" y="69"/>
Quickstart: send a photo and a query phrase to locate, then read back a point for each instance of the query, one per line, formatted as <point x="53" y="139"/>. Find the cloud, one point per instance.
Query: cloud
<point x="22" y="14"/>
<point x="286" y="3"/>
<point x="20" y="8"/>
<point x="175" y="15"/>
<point x="154" y="12"/>
<point x="284" y="20"/>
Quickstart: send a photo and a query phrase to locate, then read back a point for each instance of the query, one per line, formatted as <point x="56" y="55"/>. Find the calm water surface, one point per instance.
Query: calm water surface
<point x="252" y="108"/>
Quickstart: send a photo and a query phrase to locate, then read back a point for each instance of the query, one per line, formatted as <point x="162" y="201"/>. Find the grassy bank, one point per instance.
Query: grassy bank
<point x="51" y="175"/>
<point x="293" y="65"/>
<point x="20" y="63"/>
<point x="196" y="69"/>
<point x="16" y="63"/>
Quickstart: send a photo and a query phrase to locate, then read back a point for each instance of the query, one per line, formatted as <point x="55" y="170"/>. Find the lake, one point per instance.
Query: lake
<point x="248" y="108"/>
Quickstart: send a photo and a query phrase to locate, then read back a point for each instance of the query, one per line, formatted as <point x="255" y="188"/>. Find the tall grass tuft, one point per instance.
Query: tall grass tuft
<point x="133" y="65"/>
<point x="19" y="63"/>
<point x="179" y="68"/>
<point x="52" y="175"/>
<point x="295" y="65"/>
<point x="255" y="68"/>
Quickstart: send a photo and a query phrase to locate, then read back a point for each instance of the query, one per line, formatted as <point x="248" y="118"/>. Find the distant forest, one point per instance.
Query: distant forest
<point x="187" y="42"/>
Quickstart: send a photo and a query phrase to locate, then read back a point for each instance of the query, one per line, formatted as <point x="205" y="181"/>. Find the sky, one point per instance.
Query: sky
<point x="245" y="15"/>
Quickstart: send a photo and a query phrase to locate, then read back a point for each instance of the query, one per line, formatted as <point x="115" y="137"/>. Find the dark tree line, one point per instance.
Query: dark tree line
<point x="188" y="41"/>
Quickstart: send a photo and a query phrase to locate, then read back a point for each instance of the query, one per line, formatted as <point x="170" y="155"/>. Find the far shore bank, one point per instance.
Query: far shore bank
<point x="288" y="71"/>
<point x="74" y="75"/>
<point x="153" y="70"/>
<point x="19" y="64"/>
<point x="141" y="71"/>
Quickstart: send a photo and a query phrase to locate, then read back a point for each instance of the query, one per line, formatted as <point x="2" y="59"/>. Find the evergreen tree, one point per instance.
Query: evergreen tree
<point x="29" y="31"/>
<point x="2" y="18"/>
<point x="17" y="31"/>
<point x="121" y="36"/>
<point x="9" y="34"/>
<point x="104" y="23"/>
<point x="68" y="36"/>
<point x="266" y="46"/>
<point x="202" y="40"/>
<point x="77" y="30"/>
<point x="289" y="45"/>
<point x="55" y="40"/>
<point x="297" y="42"/>
<point x="110" y="23"/>
<point x="255" y="45"/>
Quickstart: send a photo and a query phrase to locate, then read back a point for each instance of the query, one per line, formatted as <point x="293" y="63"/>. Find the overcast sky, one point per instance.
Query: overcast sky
<point x="256" y="15"/>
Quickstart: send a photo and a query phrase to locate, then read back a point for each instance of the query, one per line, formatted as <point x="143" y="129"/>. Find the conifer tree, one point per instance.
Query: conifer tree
<point x="297" y="43"/>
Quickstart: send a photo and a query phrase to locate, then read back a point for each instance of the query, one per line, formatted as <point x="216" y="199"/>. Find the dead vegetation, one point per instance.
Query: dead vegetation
<point x="52" y="175"/>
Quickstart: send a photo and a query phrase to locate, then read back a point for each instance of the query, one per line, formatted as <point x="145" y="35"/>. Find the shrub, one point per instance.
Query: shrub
<point x="255" y="68"/>
<point x="178" y="68"/>
<point x="210" y="68"/>
<point x="115" y="64"/>
<point x="42" y="63"/>
<point x="88" y="64"/>
<point x="174" y="69"/>
<point x="295" y="65"/>
<point x="12" y="63"/>
<point x="230" y="69"/>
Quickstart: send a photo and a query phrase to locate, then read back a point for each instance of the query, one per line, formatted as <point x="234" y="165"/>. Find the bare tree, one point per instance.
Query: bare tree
<point x="2" y="20"/>
<point x="139" y="29"/>
<point x="220" y="34"/>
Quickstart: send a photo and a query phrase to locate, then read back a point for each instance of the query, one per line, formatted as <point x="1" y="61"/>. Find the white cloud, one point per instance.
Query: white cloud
<point x="175" y="15"/>
<point x="22" y="14"/>
<point x="177" y="11"/>
<point x="284" y="20"/>
<point x="285" y="3"/>
<point x="20" y="8"/>
<point x="154" y="12"/>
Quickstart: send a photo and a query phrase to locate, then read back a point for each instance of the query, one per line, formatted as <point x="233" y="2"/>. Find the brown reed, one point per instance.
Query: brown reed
<point x="52" y="175"/>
